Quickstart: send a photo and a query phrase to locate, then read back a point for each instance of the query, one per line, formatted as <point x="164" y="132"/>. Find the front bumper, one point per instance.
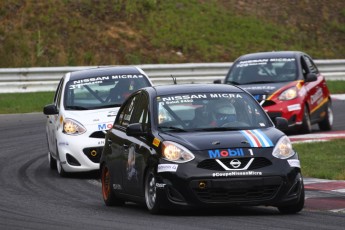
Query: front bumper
<point x="229" y="188"/>
<point x="79" y="153"/>
<point x="290" y="110"/>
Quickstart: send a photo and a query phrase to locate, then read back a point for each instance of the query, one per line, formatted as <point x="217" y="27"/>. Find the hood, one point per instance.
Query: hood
<point x="264" y="89"/>
<point x="258" y="138"/>
<point x="92" y="117"/>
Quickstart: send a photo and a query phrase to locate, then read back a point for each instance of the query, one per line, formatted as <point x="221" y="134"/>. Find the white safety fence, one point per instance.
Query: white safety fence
<point x="37" y="79"/>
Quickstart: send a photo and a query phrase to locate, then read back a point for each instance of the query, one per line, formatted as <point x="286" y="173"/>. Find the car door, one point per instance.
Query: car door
<point x="136" y="149"/>
<point x="53" y="121"/>
<point x="315" y="88"/>
<point x="117" y="141"/>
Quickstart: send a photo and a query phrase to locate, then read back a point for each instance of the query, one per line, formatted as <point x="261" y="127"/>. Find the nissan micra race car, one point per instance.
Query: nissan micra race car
<point x="287" y="84"/>
<point x="199" y="145"/>
<point x="85" y="105"/>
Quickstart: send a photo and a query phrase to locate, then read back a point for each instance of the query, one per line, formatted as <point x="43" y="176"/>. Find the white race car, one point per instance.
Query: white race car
<point x="84" y="108"/>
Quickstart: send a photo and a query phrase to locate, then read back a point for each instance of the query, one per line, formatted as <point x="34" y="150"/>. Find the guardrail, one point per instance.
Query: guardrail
<point x="46" y="78"/>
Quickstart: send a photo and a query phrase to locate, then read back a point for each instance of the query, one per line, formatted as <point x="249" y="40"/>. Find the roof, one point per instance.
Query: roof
<point x="104" y="71"/>
<point x="194" y="88"/>
<point x="272" y="54"/>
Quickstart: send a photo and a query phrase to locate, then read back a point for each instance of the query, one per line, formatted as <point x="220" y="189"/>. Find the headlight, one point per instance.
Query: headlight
<point x="72" y="127"/>
<point x="289" y="94"/>
<point x="176" y="153"/>
<point x="283" y="148"/>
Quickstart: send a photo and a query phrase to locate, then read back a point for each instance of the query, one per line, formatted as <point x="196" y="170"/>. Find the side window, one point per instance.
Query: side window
<point x="57" y="97"/>
<point x="126" y="114"/>
<point x="310" y="65"/>
<point x="140" y="114"/>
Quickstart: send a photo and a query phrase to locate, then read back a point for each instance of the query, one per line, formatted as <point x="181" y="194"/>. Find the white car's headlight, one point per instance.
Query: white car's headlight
<point x="72" y="127"/>
<point x="283" y="149"/>
<point x="288" y="94"/>
<point x="176" y="153"/>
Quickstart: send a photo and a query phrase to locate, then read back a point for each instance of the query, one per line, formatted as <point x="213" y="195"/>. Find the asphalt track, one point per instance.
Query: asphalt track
<point x="34" y="197"/>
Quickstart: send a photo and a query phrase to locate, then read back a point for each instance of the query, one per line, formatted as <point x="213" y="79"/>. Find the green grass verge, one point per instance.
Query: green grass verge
<point x="24" y="102"/>
<point x="325" y="160"/>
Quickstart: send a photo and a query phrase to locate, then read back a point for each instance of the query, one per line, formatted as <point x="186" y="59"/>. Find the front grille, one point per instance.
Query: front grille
<point x="233" y="195"/>
<point x="273" y="115"/>
<point x="98" y="134"/>
<point x="211" y="164"/>
<point x="94" y="154"/>
<point x="244" y="189"/>
<point x="268" y="103"/>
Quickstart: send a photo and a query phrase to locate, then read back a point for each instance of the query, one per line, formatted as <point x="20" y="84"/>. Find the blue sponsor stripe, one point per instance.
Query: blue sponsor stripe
<point x="249" y="139"/>
<point x="265" y="141"/>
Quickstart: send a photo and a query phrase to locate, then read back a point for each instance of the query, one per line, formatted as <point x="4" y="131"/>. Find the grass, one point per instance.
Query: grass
<point x="24" y="102"/>
<point x="120" y="32"/>
<point x="324" y="160"/>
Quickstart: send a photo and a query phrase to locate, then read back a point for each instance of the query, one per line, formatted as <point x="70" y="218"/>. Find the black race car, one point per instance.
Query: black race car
<point x="199" y="145"/>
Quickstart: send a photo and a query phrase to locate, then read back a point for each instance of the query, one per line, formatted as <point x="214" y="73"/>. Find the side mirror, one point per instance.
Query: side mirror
<point x="50" y="109"/>
<point x="310" y="77"/>
<point x="218" y="81"/>
<point x="281" y="123"/>
<point x="135" y="130"/>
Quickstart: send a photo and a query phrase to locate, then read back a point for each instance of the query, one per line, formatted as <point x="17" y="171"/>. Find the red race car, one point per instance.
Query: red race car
<point x="286" y="84"/>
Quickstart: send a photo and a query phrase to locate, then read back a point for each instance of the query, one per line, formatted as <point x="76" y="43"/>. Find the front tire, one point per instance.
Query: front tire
<point x="109" y="197"/>
<point x="52" y="161"/>
<point x="306" y="123"/>
<point x="60" y="170"/>
<point x="295" y="208"/>
<point x="327" y="123"/>
<point x="151" y="198"/>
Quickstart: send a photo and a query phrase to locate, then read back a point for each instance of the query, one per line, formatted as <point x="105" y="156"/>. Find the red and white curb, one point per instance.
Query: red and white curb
<point x="324" y="194"/>
<point x="314" y="137"/>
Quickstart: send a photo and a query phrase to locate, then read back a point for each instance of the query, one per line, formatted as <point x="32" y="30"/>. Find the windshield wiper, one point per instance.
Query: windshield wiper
<point x="172" y="128"/>
<point x="107" y="106"/>
<point x="232" y="82"/>
<point x="76" y="107"/>
<point x="218" y="129"/>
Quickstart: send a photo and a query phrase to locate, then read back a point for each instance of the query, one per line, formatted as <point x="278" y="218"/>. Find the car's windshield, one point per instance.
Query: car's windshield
<point x="209" y="112"/>
<point x="101" y="92"/>
<point x="265" y="70"/>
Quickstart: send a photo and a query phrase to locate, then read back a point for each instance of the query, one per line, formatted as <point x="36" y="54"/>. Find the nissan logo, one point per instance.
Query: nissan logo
<point x="235" y="163"/>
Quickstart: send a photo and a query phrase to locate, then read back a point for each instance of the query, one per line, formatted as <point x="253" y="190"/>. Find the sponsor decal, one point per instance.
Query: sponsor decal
<point x="63" y="143"/>
<point x="156" y="142"/>
<point x="188" y="98"/>
<point x="294" y="107"/>
<point x="267" y="87"/>
<point x="117" y="187"/>
<point x="101" y="79"/>
<point x="160" y="185"/>
<point x="105" y="126"/>
<point x="294" y="163"/>
<point x="236" y="173"/>
<point x="316" y="96"/>
<point x="217" y="153"/>
<point x="167" y="168"/>
<point x="257" y="138"/>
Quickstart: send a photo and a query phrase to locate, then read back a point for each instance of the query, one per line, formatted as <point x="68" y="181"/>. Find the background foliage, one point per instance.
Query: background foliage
<point x="117" y="32"/>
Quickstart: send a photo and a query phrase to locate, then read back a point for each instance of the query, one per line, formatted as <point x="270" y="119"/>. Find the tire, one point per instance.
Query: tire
<point x="306" y="123"/>
<point x="108" y="194"/>
<point x="60" y="170"/>
<point x="59" y="167"/>
<point x="295" y="208"/>
<point x="151" y="198"/>
<point x="52" y="161"/>
<point x="327" y="123"/>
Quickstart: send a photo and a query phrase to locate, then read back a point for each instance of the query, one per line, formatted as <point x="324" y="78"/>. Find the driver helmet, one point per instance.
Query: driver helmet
<point x="224" y="112"/>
